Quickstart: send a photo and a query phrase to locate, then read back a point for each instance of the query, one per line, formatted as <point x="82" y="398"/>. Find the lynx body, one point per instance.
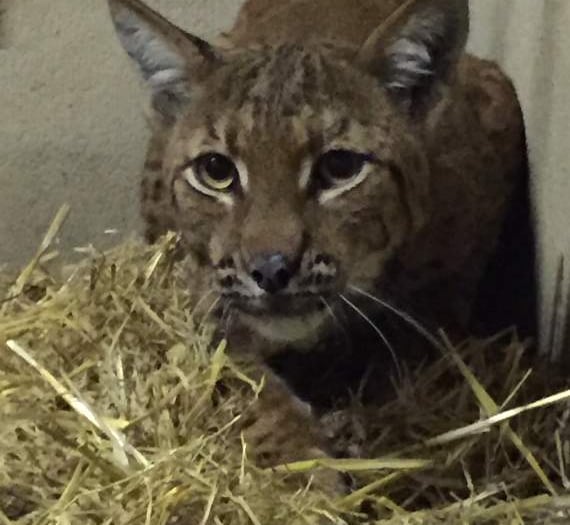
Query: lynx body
<point x="318" y="150"/>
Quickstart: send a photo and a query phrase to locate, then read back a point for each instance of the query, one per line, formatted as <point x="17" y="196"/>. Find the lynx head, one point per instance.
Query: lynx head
<point x="293" y="171"/>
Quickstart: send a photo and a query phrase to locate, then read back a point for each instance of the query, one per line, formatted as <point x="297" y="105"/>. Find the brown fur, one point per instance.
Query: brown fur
<point x="289" y="81"/>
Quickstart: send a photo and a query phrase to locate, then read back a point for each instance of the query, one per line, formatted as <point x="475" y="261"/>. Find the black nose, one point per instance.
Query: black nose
<point x="271" y="272"/>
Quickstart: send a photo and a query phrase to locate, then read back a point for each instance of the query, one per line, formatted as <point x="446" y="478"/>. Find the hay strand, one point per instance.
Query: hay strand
<point x="117" y="409"/>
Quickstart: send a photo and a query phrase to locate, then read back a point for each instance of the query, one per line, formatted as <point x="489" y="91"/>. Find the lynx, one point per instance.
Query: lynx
<point x="325" y="157"/>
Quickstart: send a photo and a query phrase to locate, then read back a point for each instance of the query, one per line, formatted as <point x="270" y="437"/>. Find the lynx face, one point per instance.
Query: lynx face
<point x="293" y="172"/>
<point x="287" y="190"/>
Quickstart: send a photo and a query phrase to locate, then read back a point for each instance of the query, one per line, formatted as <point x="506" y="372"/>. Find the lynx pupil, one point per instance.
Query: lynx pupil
<point x="339" y="165"/>
<point x="216" y="171"/>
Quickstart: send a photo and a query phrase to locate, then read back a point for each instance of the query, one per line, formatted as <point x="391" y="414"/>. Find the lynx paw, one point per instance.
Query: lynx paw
<point x="279" y="429"/>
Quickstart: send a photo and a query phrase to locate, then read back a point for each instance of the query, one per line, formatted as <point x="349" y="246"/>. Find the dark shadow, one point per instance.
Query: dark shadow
<point x="508" y="293"/>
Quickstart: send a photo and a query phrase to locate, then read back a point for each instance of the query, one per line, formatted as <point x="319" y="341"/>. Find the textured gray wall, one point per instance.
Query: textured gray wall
<point x="71" y="128"/>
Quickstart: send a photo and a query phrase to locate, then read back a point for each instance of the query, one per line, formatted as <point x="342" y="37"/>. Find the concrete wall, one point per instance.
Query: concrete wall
<point x="71" y="129"/>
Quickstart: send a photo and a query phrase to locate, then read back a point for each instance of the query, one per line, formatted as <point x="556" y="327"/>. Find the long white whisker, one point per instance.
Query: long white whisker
<point x="207" y="314"/>
<point x="226" y="318"/>
<point x="422" y="330"/>
<point x="201" y="300"/>
<point x="379" y="333"/>
<point x="333" y="316"/>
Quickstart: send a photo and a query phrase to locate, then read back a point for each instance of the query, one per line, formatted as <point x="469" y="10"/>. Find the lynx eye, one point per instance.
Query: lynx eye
<point x="216" y="172"/>
<point x="338" y="166"/>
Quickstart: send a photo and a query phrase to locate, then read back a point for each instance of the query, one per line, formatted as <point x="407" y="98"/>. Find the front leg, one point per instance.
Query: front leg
<point x="279" y="428"/>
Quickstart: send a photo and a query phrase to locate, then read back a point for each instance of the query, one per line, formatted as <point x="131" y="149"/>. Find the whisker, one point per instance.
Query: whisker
<point x="419" y="327"/>
<point x="201" y="300"/>
<point x="334" y="317"/>
<point x="379" y="333"/>
<point x="209" y="312"/>
<point x="226" y="318"/>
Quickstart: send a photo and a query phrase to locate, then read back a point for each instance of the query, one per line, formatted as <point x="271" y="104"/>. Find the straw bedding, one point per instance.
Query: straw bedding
<point x="117" y="408"/>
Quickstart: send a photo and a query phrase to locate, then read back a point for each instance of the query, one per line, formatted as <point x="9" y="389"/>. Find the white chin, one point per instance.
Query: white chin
<point x="287" y="329"/>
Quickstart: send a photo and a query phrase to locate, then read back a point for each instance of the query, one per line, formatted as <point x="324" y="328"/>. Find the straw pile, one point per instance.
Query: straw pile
<point x="117" y="408"/>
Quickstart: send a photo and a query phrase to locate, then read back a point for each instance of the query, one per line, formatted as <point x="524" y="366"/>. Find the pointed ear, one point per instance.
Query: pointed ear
<point x="417" y="48"/>
<point x="169" y="59"/>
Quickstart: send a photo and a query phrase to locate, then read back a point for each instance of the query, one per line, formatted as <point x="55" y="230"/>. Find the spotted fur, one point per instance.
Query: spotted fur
<point x="440" y="134"/>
